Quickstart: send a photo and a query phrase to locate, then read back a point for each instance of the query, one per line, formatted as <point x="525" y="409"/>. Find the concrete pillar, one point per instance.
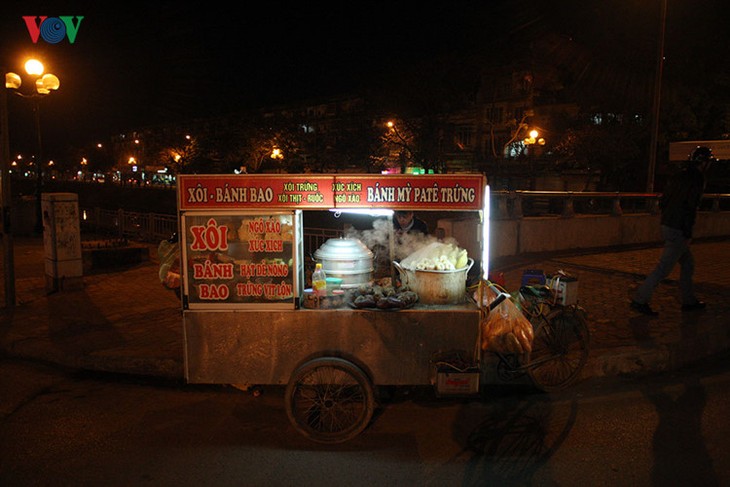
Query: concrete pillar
<point x="568" y="208"/>
<point x="716" y="204"/>
<point x="502" y="209"/>
<point x="516" y="205"/>
<point x="653" y="206"/>
<point x="62" y="242"/>
<point x="616" y="209"/>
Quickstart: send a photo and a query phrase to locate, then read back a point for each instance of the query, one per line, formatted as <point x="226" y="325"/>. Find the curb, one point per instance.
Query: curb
<point x="167" y="369"/>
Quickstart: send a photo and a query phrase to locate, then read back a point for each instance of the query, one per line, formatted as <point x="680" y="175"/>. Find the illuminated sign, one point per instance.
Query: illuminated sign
<point x="437" y="191"/>
<point x="239" y="259"/>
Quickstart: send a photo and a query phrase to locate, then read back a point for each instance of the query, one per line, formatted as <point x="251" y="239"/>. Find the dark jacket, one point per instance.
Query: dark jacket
<point x="681" y="198"/>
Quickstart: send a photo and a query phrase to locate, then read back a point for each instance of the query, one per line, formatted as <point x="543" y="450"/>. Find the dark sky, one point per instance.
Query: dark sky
<point x="140" y="63"/>
<point x="159" y="59"/>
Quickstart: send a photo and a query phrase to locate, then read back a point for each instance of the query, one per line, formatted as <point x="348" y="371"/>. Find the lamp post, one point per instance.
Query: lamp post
<point x="534" y="138"/>
<point x="657" y="100"/>
<point x="274" y="153"/>
<point x="83" y="172"/>
<point x="404" y="151"/>
<point x="277" y="155"/>
<point x="44" y="84"/>
<point x="5" y="199"/>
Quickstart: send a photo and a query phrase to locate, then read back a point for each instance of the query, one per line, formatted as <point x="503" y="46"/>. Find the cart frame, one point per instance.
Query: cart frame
<point x="331" y="360"/>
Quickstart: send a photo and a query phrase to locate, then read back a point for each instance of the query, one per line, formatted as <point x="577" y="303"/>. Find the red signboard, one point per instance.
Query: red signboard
<point x="226" y="192"/>
<point x="239" y="258"/>
<point x="434" y="191"/>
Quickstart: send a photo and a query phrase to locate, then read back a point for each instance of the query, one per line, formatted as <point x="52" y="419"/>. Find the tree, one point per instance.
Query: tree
<point x="612" y="148"/>
<point x="423" y="105"/>
<point x="271" y="144"/>
<point x="223" y="148"/>
<point x="178" y="152"/>
<point x="349" y="148"/>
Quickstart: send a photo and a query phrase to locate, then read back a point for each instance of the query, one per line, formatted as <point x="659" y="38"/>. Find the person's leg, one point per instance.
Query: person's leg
<point x="686" y="273"/>
<point x="675" y="245"/>
<point x="686" y="284"/>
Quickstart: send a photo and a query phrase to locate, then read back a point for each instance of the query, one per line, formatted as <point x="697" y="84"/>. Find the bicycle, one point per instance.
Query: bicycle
<point x="561" y="342"/>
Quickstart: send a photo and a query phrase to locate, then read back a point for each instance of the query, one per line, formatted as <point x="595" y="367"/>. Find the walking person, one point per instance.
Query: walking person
<point x="679" y="203"/>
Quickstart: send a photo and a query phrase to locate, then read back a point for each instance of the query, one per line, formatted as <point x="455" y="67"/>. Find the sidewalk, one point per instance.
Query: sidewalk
<point x="125" y="321"/>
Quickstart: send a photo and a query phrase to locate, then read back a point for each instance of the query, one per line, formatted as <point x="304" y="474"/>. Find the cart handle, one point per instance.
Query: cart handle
<point x="501" y="296"/>
<point x="498" y="300"/>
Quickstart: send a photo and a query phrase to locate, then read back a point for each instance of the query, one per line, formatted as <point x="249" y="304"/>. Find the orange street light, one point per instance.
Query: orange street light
<point x="534" y="138"/>
<point x="44" y="84"/>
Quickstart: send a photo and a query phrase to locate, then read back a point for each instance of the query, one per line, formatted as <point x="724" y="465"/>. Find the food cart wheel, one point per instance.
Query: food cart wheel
<point x="559" y="350"/>
<point x="329" y="400"/>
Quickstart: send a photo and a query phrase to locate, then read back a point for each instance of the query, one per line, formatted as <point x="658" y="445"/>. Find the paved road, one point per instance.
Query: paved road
<point x="123" y="320"/>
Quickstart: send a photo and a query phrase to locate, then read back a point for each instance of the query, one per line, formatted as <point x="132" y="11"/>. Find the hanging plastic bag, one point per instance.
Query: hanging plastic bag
<point x="169" y="254"/>
<point x="505" y="329"/>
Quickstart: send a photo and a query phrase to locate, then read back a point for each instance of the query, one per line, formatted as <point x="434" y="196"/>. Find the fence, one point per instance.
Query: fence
<point x="144" y="227"/>
<point x="541" y="221"/>
<point x="519" y="204"/>
<point x="523" y="221"/>
<point x="154" y="227"/>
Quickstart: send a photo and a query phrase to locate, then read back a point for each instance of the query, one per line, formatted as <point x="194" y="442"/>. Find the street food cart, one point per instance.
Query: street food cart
<point x="250" y="317"/>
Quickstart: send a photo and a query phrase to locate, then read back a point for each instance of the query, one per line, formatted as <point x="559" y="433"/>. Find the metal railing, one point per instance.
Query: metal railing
<point x="143" y="227"/>
<point x="567" y="204"/>
<point x="153" y="227"/>
<point x="315" y="237"/>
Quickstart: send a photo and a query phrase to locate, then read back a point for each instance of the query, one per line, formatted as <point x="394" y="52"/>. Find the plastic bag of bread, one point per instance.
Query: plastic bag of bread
<point x="168" y="253"/>
<point x="505" y="329"/>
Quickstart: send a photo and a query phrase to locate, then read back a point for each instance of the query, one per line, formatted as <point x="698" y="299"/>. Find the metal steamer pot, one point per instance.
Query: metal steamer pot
<point x="436" y="287"/>
<point x="346" y="258"/>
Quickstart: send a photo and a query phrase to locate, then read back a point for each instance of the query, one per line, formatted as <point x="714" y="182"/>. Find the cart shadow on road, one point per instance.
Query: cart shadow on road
<point x="510" y="440"/>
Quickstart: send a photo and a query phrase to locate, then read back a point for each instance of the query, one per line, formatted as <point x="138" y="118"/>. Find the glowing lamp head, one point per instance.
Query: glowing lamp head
<point x="47" y="83"/>
<point x="12" y="81"/>
<point x="34" y="67"/>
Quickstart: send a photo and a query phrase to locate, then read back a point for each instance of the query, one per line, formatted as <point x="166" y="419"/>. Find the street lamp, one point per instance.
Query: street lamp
<point x="534" y="138"/>
<point x="274" y="153"/>
<point x="44" y="85"/>
<point x="82" y="172"/>
<point x="404" y="151"/>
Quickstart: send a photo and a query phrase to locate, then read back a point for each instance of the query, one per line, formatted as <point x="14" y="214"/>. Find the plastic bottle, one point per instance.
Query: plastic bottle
<point x="319" y="280"/>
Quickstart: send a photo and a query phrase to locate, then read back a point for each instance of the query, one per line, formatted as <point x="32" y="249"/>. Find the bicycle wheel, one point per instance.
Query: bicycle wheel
<point x="329" y="400"/>
<point x="559" y="350"/>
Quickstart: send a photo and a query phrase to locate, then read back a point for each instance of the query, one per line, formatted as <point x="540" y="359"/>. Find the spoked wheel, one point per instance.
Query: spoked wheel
<point x="509" y="367"/>
<point x="559" y="350"/>
<point x="329" y="400"/>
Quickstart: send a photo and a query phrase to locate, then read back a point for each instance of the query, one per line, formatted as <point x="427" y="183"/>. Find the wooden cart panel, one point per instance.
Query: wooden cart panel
<point x="265" y="347"/>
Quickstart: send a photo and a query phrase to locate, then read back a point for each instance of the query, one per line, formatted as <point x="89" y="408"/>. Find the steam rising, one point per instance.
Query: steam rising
<point x="405" y="244"/>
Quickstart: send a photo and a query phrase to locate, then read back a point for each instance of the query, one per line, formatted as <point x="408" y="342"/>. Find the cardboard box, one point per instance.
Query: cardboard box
<point x="533" y="277"/>
<point x="457" y="383"/>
